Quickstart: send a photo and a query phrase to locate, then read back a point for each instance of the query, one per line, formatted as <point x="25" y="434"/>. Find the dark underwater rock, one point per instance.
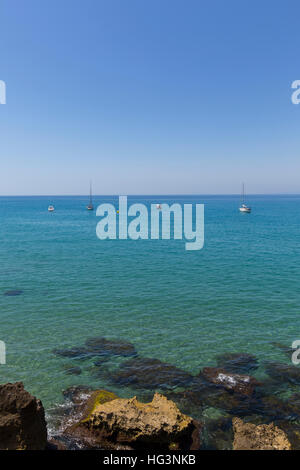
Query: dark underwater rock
<point x="99" y="362"/>
<point x="189" y="402"/>
<point x="233" y="403"/>
<point x="77" y="393"/>
<point x="60" y="442"/>
<point x="294" y="400"/>
<point x="283" y="373"/>
<point x="22" y="419"/>
<point x="266" y="409"/>
<point x="150" y="374"/>
<point x="103" y="346"/>
<point x="202" y="394"/>
<point x="11" y="293"/>
<point x="54" y="443"/>
<point x="100" y="372"/>
<point x="241" y="384"/>
<point x="239" y="363"/>
<point x="75" y="353"/>
<point x="287" y="350"/>
<point x="76" y="398"/>
<point x="279" y="409"/>
<point x="219" y="434"/>
<point x="72" y="370"/>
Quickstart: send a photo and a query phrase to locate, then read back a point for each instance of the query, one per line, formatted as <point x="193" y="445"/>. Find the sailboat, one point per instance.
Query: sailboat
<point x="244" y="207"/>
<point x="90" y="206"/>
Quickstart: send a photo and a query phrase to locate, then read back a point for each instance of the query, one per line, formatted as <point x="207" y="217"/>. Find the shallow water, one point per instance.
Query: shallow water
<point x="238" y="294"/>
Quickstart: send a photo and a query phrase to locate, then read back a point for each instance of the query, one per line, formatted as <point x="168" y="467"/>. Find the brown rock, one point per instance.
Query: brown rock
<point x="22" y="419"/>
<point x="248" y="436"/>
<point x="128" y="423"/>
<point x="242" y="384"/>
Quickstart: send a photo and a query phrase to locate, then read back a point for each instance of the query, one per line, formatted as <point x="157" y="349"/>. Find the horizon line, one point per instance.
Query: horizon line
<point x="148" y="194"/>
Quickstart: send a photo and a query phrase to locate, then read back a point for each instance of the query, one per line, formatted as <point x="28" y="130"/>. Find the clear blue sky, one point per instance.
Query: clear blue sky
<point x="149" y="96"/>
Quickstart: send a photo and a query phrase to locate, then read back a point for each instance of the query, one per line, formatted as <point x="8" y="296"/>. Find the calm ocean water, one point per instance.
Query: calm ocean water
<point x="239" y="293"/>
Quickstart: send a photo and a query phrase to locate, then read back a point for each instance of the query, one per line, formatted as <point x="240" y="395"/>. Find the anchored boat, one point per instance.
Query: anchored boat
<point x="90" y="206"/>
<point x="244" y="207"/>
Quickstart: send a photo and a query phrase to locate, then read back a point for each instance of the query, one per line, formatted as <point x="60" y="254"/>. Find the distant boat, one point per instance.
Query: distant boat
<point x="50" y="208"/>
<point x="90" y="206"/>
<point x="158" y="206"/>
<point x="244" y="207"/>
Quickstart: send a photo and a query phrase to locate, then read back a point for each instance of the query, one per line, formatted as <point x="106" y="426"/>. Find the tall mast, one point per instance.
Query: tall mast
<point x="90" y="192"/>
<point x="243" y="193"/>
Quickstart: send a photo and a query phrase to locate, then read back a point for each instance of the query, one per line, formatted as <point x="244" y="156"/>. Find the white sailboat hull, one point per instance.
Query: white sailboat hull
<point x="245" y="209"/>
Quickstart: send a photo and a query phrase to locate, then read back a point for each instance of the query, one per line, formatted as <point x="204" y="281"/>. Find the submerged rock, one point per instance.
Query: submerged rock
<point x="99" y="362"/>
<point x="279" y="409"/>
<point x="104" y="346"/>
<point x="287" y="350"/>
<point x="150" y="374"/>
<point x="60" y="442"/>
<point x="77" y="393"/>
<point x="239" y="363"/>
<point x="242" y="384"/>
<point x="129" y="424"/>
<point x="75" y="353"/>
<point x="76" y="398"/>
<point x="283" y="373"/>
<point x="233" y="403"/>
<point x="219" y="434"/>
<point x="248" y="436"/>
<point x="72" y="370"/>
<point x="203" y="394"/>
<point x="261" y="407"/>
<point x="11" y="293"/>
<point x="22" y="419"/>
<point x="98" y="347"/>
<point x="190" y="402"/>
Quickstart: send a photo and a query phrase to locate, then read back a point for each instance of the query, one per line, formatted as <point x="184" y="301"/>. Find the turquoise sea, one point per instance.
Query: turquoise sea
<point x="240" y="293"/>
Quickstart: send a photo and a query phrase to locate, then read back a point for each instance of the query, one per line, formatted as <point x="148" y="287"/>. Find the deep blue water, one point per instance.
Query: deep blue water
<point x="239" y="293"/>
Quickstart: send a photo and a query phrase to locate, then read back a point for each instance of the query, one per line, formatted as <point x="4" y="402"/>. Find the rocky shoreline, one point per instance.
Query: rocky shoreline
<point x="101" y="420"/>
<point x="222" y="407"/>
